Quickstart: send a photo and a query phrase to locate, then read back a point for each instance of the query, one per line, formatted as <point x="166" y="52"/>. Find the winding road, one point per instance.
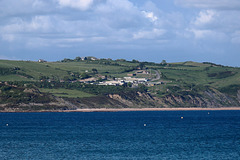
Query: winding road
<point x="157" y="76"/>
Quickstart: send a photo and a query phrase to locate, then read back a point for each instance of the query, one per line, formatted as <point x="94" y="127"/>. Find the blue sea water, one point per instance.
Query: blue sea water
<point x="121" y="135"/>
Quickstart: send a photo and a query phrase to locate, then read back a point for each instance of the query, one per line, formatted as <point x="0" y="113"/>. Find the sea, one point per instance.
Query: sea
<point x="133" y="135"/>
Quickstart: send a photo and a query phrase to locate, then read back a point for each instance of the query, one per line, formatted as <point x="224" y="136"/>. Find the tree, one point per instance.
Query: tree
<point x="141" y="65"/>
<point x="84" y="76"/>
<point x="164" y="62"/>
<point x="121" y="60"/>
<point x="67" y="60"/>
<point x="135" y="61"/>
<point x="77" y="59"/>
<point x="66" y="78"/>
<point x="100" y="79"/>
<point x="43" y="78"/>
<point x="129" y="84"/>
<point x="142" y="88"/>
<point x="94" y="70"/>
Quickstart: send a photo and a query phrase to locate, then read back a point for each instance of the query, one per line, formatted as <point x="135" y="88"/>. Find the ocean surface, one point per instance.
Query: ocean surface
<point x="121" y="135"/>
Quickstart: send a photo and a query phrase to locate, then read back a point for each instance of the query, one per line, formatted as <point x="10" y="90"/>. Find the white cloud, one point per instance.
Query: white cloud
<point x="150" y="15"/>
<point x="149" y="34"/>
<point x="25" y="7"/>
<point x="78" y="4"/>
<point x="113" y="5"/>
<point x="205" y="17"/>
<point x="117" y="15"/>
<point x="41" y="23"/>
<point x="215" y="25"/>
<point x="71" y="40"/>
<point x="108" y="20"/>
<point x="214" y="4"/>
<point x="37" y="24"/>
<point x="209" y="35"/>
<point x="200" y="33"/>
<point x="38" y="4"/>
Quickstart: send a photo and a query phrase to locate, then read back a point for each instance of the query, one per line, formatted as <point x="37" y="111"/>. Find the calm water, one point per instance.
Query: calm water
<point x="121" y="135"/>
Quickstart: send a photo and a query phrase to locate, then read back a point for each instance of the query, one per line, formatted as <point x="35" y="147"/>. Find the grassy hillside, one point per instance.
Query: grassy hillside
<point x="29" y="70"/>
<point x="69" y="93"/>
<point x="61" y="79"/>
<point x="204" y="74"/>
<point x="176" y="73"/>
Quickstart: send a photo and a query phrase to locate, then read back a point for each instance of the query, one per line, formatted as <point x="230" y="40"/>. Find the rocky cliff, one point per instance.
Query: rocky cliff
<point x="33" y="100"/>
<point x="209" y="99"/>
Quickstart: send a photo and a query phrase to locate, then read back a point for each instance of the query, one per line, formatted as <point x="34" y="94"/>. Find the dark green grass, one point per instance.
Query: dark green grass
<point x="61" y="92"/>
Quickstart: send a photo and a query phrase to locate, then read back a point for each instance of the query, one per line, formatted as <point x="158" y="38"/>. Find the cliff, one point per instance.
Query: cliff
<point x="210" y="98"/>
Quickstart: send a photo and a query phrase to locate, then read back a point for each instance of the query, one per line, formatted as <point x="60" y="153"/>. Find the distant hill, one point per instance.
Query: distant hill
<point x="91" y="82"/>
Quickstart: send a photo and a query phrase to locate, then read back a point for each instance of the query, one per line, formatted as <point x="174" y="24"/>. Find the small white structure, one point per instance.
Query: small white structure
<point x="89" y="58"/>
<point x="41" y="61"/>
<point x="88" y="80"/>
<point x="112" y="83"/>
<point x="83" y="58"/>
<point x="135" y="80"/>
<point x="94" y="58"/>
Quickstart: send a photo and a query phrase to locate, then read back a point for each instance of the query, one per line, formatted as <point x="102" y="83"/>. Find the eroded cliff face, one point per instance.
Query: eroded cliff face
<point x="238" y="96"/>
<point x="137" y="100"/>
<point x="207" y="99"/>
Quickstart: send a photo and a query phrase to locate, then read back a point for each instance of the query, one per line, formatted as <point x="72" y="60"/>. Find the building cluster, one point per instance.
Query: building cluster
<point x="134" y="82"/>
<point x="125" y="80"/>
<point x="102" y="80"/>
<point x="112" y="83"/>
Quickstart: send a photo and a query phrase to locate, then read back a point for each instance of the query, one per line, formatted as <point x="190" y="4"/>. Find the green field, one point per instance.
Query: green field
<point x="180" y="73"/>
<point x="56" y="70"/>
<point x="66" y="93"/>
<point x="13" y="78"/>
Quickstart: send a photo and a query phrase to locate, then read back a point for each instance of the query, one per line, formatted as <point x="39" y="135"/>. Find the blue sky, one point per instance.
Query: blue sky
<point x="146" y="30"/>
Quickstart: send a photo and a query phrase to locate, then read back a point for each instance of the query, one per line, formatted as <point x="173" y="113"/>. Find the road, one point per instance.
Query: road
<point x="157" y="76"/>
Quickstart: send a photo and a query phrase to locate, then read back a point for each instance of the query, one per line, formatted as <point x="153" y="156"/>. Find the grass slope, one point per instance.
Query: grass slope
<point x="61" y="92"/>
<point x="183" y="74"/>
<point x="57" y="70"/>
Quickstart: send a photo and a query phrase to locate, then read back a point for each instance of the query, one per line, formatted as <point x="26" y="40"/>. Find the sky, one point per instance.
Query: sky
<point x="145" y="30"/>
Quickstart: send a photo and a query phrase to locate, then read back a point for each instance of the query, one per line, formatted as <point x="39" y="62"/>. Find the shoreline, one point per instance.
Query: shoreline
<point x="124" y="110"/>
<point x="153" y="109"/>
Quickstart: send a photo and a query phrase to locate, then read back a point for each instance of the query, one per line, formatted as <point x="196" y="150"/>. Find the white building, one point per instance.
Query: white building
<point x="135" y="80"/>
<point x="112" y="83"/>
<point x="41" y="61"/>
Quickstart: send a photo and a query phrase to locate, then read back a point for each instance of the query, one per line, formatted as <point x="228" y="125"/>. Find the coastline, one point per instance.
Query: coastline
<point x="152" y="109"/>
<point x="124" y="110"/>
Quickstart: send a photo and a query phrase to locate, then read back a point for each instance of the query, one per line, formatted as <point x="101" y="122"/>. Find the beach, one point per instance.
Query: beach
<point x="127" y="109"/>
<point x="151" y="109"/>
